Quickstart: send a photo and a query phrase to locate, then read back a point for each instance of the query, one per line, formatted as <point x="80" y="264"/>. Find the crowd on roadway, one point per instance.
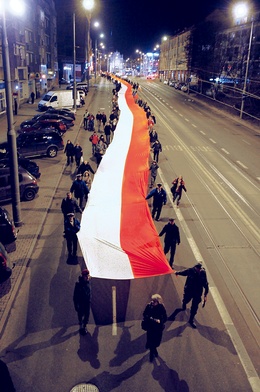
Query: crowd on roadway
<point x="154" y="315"/>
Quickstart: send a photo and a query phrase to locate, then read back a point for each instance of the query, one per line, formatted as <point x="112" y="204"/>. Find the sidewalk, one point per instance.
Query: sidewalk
<point x="31" y="229"/>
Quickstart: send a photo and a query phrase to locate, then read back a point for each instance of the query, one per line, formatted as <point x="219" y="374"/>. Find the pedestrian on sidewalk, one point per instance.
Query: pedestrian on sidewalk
<point x="78" y="153"/>
<point x="108" y="130"/>
<point x="94" y="141"/>
<point x="32" y="97"/>
<point x="98" y="119"/>
<point x="71" y="228"/>
<point x="85" y="119"/>
<point x="195" y="283"/>
<point x="154" y="318"/>
<point x="69" y="151"/>
<point x="159" y="199"/>
<point x="80" y="189"/>
<point x="82" y="300"/>
<point x="69" y="204"/>
<point x="153" y="168"/>
<point x="104" y="119"/>
<point x="172" y="237"/>
<point x="85" y="166"/>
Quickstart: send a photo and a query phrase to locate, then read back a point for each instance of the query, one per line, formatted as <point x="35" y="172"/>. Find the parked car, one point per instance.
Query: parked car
<point x="39" y="143"/>
<point x="5" y="270"/>
<point x="63" y="112"/>
<point x="69" y="121"/>
<point x="26" y="163"/>
<point x="8" y="233"/>
<point x="27" y="184"/>
<point x="48" y="117"/>
<point x="57" y="125"/>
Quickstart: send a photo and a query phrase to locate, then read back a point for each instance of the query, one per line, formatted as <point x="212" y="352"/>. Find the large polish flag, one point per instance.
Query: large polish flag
<point x="118" y="238"/>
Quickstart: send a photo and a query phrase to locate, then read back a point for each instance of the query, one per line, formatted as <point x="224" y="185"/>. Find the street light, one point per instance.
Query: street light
<point x="88" y="5"/>
<point x="74" y="64"/>
<point x="11" y="135"/>
<point x="241" y="11"/>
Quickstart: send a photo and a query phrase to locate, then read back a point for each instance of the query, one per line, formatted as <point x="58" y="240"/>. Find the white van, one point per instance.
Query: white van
<point x="59" y="99"/>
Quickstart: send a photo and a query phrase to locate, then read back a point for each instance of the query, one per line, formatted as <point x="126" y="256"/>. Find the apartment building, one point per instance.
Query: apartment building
<point x="32" y="43"/>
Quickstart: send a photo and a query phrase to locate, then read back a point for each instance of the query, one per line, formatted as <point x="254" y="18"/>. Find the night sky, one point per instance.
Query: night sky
<point x="140" y="24"/>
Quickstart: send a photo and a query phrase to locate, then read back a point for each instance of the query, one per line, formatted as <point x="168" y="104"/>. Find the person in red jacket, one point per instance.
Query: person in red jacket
<point x="94" y="139"/>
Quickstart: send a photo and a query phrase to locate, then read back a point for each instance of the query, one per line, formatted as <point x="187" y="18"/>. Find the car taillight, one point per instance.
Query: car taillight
<point x="62" y="142"/>
<point x="63" y="127"/>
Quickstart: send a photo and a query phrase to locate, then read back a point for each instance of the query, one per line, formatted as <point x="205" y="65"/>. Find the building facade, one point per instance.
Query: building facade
<point x="32" y="51"/>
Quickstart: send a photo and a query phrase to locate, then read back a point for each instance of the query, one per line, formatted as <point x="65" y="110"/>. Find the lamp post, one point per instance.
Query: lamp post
<point x="11" y="134"/>
<point x="241" y="12"/>
<point x="74" y="64"/>
<point x="88" y="5"/>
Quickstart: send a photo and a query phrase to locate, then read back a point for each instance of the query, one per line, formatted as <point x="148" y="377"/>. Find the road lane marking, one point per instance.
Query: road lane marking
<point x="241" y="164"/>
<point x="225" y="151"/>
<point x="245" y="360"/>
<point x="195" y="126"/>
<point x="213" y="141"/>
<point x="203" y="133"/>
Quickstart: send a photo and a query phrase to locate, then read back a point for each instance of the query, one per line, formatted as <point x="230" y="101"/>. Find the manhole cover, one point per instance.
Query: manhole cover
<point x="83" y="387"/>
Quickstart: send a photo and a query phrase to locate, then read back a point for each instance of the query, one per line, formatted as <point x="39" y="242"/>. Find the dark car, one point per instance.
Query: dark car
<point x="5" y="271"/>
<point x="8" y="232"/>
<point x="69" y="121"/>
<point x="63" y="112"/>
<point x="39" y="143"/>
<point x="27" y="184"/>
<point x="26" y="163"/>
<point x="31" y="125"/>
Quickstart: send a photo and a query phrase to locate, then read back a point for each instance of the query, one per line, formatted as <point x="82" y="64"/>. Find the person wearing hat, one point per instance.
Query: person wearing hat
<point x="195" y="283"/>
<point x="172" y="237"/>
<point x="80" y="189"/>
<point x="153" y="168"/>
<point x="159" y="198"/>
<point x="71" y="227"/>
<point x="154" y="318"/>
<point x="82" y="300"/>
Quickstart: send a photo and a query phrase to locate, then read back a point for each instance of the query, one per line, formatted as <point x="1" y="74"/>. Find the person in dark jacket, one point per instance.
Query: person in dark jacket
<point x="172" y="237"/>
<point x="80" y="189"/>
<point x="195" y="283"/>
<point x="69" y="204"/>
<point x="153" y="135"/>
<point x="78" y="153"/>
<point x="177" y="186"/>
<point x="159" y="198"/>
<point x="71" y="228"/>
<point x="108" y="130"/>
<point x="157" y="148"/>
<point x="69" y="151"/>
<point x="82" y="300"/>
<point x="153" y="168"/>
<point x="155" y="317"/>
<point x="85" y="166"/>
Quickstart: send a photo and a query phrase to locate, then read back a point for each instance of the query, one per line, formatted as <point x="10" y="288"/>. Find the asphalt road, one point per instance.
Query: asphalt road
<point x="219" y="224"/>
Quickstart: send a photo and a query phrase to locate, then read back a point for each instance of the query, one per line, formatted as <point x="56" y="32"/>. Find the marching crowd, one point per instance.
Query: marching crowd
<point x="154" y="315"/>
